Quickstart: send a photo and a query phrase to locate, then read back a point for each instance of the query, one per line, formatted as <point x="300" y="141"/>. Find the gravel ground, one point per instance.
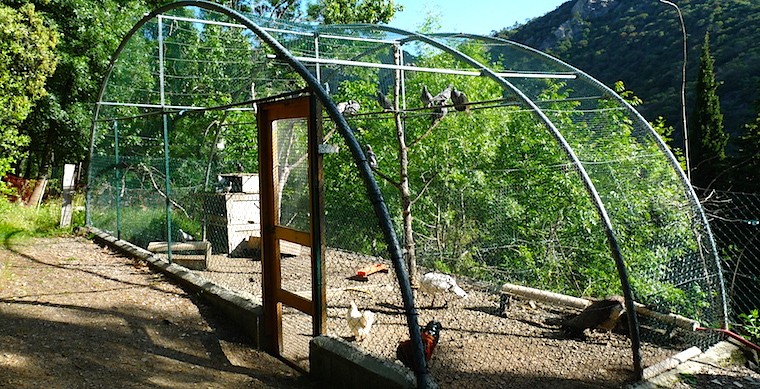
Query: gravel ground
<point x="479" y="347"/>
<point x="75" y="315"/>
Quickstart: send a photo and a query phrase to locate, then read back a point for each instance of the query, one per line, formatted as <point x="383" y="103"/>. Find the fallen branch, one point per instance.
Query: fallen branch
<point x="580" y="303"/>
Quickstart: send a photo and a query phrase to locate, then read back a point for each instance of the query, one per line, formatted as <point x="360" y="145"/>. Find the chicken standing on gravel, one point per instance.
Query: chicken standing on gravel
<point x="602" y="314"/>
<point x="434" y="283"/>
<point x="430" y="335"/>
<point x="359" y="322"/>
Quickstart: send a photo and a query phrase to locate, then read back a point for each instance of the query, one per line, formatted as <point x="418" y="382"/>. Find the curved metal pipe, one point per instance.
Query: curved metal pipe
<point x="424" y="379"/>
<point x="586" y="179"/>
<point x="688" y="188"/>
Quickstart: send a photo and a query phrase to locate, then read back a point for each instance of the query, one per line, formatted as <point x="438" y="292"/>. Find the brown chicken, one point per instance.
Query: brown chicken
<point x="430" y="335"/>
<point x="602" y="314"/>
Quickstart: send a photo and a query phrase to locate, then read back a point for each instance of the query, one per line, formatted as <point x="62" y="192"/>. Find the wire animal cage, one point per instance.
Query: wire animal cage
<point x="460" y="154"/>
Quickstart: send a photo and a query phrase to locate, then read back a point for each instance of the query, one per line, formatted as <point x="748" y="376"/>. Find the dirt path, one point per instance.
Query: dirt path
<point x="75" y="315"/>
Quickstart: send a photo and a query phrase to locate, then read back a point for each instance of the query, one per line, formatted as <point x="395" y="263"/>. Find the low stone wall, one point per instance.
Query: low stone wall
<point x="341" y="365"/>
<point x="245" y="311"/>
<point x="333" y="361"/>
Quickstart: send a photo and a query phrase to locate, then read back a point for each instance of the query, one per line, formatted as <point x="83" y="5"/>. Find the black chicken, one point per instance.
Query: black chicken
<point x="602" y="314"/>
<point x="430" y="335"/>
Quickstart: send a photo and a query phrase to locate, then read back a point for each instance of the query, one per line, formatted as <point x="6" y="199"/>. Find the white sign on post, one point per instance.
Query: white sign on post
<point x="68" y="193"/>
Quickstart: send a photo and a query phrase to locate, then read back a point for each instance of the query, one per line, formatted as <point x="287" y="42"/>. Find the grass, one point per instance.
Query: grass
<point x="688" y="378"/>
<point x="18" y="222"/>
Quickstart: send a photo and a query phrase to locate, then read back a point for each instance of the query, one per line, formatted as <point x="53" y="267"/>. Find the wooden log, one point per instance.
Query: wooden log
<point x="190" y="263"/>
<point x="543" y="295"/>
<point x="580" y="303"/>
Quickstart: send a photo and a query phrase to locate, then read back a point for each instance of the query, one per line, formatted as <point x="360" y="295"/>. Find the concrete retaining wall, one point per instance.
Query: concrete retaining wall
<point x="245" y="311"/>
<point x="341" y="365"/>
<point x="334" y="362"/>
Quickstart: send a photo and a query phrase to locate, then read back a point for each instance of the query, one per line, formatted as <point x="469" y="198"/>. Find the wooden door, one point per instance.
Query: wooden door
<point x="292" y="213"/>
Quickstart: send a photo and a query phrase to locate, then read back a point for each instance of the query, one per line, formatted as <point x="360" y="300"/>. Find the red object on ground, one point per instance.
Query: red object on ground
<point x="371" y="269"/>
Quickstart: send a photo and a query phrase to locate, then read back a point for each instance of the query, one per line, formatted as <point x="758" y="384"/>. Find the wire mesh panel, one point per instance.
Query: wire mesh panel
<point x="501" y="168"/>
<point x="735" y="220"/>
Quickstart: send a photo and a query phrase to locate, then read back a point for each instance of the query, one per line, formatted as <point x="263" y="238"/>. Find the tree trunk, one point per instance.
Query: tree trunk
<point x="41" y="184"/>
<point x="406" y="196"/>
<point x="44" y="173"/>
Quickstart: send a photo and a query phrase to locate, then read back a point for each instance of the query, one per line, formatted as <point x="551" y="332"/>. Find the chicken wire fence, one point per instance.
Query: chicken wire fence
<point x="735" y="219"/>
<point x="541" y="177"/>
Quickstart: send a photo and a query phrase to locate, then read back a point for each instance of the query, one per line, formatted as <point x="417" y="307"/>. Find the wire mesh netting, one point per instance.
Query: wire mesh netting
<point x="735" y="221"/>
<point x="500" y="177"/>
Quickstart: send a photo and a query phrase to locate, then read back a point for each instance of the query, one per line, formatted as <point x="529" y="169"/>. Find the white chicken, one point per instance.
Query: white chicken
<point x="434" y="283"/>
<point x="360" y="322"/>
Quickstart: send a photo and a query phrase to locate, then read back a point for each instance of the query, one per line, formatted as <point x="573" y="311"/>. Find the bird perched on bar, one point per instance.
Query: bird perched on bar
<point x="371" y="157"/>
<point x="505" y="301"/>
<point x="360" y="322"/>
<point x="430" y="335"/>
<point x="185" y="237"/>
<point x="460" y="101"/>
<point x="426" y="97"/>
<point x="384" y="101"/>
<point x="435" y="283"/>
<point x="442" y="97"/>
<point x="349" y="108"/>
<point x="239" y="166"/>
<point x="602" y="314"/>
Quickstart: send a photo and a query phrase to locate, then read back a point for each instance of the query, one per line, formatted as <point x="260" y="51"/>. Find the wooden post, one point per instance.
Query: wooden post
<point x="316" y="188"/>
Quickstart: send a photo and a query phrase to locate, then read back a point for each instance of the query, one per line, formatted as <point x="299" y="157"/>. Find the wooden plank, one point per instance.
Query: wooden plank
<point x="289" y="234"/>
<point x="298" y="302"/>
<point x="317" y="212"/>
<point x="287" y="248"/>
<point x="270" y="256"/>
<point x="162" y="247"/>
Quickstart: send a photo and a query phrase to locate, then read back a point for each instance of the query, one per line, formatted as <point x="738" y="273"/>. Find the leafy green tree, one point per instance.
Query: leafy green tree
<point x="59" y="125"/>
<point x="27" y="59"/>
<point x="748" y="158"/>
<point x="352" y="11"/>
<point x="710" y="138"/>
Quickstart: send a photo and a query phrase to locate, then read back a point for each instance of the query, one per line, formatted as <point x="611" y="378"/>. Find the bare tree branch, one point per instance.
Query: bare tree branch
<point x="155" y="186"/>
<point x="424" y="188"/>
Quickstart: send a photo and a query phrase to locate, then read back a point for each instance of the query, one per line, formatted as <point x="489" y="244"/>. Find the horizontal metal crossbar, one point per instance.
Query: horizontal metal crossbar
<point x="327" y="61"/>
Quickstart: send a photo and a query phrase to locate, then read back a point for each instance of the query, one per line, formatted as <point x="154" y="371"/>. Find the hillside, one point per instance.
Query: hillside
<point x="639" y="42"/>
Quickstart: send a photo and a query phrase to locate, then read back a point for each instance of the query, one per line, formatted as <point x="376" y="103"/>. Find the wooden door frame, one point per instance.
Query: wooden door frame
<point x="273" y="295"/>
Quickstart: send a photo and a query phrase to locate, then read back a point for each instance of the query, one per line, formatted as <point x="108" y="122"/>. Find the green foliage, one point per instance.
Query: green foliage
<point x="752" y="324"/>
<point x="59" y="125"/>
<point x="710" y="137"/>
<point x="748" y="159"/>
<point x="640" y="43"/>
<point x="27" y="59"/>
<point x="18" y="221"/>
<point x="352" y="11"/>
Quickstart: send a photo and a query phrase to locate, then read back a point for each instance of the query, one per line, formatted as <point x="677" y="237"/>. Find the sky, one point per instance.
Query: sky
<point x="471" y="16"/>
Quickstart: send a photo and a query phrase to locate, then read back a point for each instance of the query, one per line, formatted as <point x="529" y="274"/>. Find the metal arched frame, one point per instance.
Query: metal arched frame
<point x="375" y="196"/>
<point x="423" y="377"/>
<point x="688" y="188"/>
<point x="609" y="231"/>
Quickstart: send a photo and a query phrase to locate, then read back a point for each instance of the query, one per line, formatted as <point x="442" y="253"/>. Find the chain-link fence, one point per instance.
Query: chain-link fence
<point x="735" y="221"/>
<point x="536" y="177"/>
